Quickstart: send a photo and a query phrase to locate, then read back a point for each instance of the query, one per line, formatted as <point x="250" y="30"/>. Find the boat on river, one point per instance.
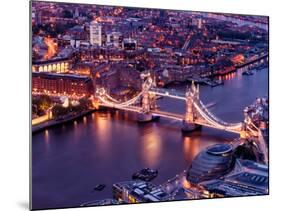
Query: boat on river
<point x="145" y="174"/>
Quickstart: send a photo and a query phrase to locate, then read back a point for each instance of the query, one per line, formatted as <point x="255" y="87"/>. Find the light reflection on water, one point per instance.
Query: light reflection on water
<point x="108" y="146"/>
<point x="46" y="139"/>
<point x="191" y="147"/>
<point x="151" y="146"/>
<point x="101" y="128"/>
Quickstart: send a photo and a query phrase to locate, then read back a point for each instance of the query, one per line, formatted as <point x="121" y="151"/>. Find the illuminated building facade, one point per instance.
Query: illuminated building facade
<point x="115" y="39"/>
<point x="60" y="84"/>
<point x="59" y="65"/>
<point x="95" y="34"/>
<point x="211" y="163"/>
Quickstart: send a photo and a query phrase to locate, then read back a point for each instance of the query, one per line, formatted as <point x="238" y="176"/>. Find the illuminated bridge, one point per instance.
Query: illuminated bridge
<point x="196" y="114"/>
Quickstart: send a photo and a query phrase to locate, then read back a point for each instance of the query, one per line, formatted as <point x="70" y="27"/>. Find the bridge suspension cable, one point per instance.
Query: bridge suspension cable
<point x="111" y="98"/>
<point x="121" y="104"/>
<point x="211" y="119"/>
<point x="115" y="103"/>
<point x="206" y="117"/>
<point x="233" y="125"/>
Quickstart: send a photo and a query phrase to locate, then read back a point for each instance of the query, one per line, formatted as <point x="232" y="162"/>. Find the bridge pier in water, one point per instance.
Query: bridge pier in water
<point x="144" y="117"/>
<point x="189" y="127"/>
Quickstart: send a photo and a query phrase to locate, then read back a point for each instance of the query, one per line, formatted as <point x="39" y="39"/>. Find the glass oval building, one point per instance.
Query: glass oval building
<point x="212" y="163"/>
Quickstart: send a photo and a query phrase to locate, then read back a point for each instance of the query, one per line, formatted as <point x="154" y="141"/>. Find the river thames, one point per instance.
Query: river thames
<point x="106" y="147"/>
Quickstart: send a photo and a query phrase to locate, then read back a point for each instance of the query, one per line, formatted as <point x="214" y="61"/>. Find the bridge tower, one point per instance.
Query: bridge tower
<point x="192" y="95"/>
<point x="250" y="132"/>
<point x="145" y="102"/>
<point x="244" y="131"/>
<point x="152" y="97"/>
<point x="145" y="114"/>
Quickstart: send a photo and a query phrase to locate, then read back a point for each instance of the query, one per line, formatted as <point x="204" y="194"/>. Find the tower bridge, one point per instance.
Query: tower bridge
<point x="196" y="113"/>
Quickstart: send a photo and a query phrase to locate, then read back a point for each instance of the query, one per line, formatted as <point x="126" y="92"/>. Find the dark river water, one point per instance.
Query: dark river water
<point x="109" y="146"/>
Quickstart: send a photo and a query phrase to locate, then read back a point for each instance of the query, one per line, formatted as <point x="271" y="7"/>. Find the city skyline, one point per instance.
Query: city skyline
<point x="147" y="105"/>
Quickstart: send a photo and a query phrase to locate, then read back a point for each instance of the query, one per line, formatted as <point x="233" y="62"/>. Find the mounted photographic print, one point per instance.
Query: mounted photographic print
<point x="139" y="105"/>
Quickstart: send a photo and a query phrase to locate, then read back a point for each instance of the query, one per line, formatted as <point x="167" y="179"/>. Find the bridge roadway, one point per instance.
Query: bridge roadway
<point x="127" y="108"/>
<point x="179" y="117"/>
<point x="168" y="93"/>
<point x="169" y="115"/>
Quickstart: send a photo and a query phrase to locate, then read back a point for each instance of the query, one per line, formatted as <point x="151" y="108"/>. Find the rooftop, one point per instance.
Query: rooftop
<point x="247" y="178"/>
<point x="57" y="76"/>
<point x="219" y="149"/>
<point x="53" y="60"/>
<point x="144" y="191"/>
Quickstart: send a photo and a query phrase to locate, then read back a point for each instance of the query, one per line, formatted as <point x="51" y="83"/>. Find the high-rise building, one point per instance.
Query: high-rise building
<point x="76" y="13"/>
<point x="38" y="17"/>
<point x="95" y="33"/>
<point x="199" y="25"/>
<point x="198" y="22"/>
<point x="115" y="39"/>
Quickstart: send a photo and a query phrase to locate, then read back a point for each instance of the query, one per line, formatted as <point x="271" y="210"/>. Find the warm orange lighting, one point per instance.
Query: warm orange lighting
<point x="83" y="71"/>
<point x="52" y="47"/>
<point x="95" y="104"/>
<point x="98" y="75"/>
<point x="40" y="119"/>
<point x="186" y="184"/>
<point x="238" y="59"/>
<point x="151" y="148"/>
<point x="46" y="134"/>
